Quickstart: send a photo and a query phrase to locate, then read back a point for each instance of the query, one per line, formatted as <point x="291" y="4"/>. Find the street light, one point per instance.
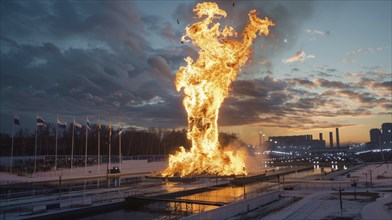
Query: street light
<point x="340" y="198"/>
<point x="366" y="183"/>
<point x="354" y="184"/>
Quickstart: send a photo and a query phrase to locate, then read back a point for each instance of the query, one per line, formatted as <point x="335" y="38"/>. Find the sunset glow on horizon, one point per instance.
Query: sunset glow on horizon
<point x="325" y="65"/>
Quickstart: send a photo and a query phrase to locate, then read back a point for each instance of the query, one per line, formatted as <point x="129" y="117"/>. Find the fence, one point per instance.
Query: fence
<point x="236" y="208"/>
<point x="260" y="197"/>
<point x="316" y="185"/>
<point x="61" y="203"/>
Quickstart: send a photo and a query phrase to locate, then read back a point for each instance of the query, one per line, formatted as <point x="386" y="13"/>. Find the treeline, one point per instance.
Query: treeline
<point x="151" y="141"/>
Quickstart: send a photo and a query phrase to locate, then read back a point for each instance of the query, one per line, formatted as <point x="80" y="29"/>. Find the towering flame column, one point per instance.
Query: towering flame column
<point x="205" y="83"/>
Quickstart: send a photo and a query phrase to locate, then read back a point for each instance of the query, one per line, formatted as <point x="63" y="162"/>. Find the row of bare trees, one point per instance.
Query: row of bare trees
<point x="151" y="141"/>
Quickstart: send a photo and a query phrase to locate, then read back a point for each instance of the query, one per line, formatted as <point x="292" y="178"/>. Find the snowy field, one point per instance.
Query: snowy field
<point x="127" y="167"/>
<point x="372" y="201"/>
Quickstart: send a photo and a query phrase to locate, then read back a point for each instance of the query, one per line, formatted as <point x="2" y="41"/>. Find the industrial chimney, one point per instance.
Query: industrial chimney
<point x="337" y="138"/>
<point x="330" y="140"/>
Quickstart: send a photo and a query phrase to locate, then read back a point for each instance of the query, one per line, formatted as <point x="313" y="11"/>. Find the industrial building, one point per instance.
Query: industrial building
<point x="304" y="142"/>
<point x="381" y="136"/>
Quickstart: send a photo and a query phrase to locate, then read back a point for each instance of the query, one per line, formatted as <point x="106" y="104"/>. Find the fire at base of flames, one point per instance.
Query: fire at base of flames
<point x="205" y="84"/>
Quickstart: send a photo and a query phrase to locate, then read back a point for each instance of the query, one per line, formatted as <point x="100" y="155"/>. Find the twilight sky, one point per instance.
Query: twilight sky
<point x="325" y="64"/>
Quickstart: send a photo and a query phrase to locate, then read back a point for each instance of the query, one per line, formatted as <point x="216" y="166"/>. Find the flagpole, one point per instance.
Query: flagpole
<point x="99" y="147"/>
<point x="110" y="144"/>
<point x="85" y="150"/>
<point x="55" y="158"/>
<point x="72" y="145"/>
<point x="119" y="151"/>
<point x="35" y="149"/>
<point x="12" y="148"/>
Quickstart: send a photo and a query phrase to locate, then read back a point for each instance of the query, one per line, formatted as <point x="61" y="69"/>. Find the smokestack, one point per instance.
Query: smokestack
<point x="321" y="136"/>
<point x="337" y="137"/>
<point x="330" y="140"/>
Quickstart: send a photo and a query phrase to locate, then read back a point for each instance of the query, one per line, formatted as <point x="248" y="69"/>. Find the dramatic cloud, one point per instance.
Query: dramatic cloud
<point x="299" y="56"/>
<point x="335" y="84"/>
<point x="290" y="102"/>
<point x="350" y="56"/>
<point x="316" y="33"/>
<point x="295" y="70"/>
<point x="80" y="58"/>
<point x="302" y="82"/>
<point x="111" y="60"/>
<point x="325" y="72"/>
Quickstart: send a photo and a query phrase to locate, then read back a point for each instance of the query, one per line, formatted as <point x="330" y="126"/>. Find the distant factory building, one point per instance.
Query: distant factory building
<point x="381" y="137"/>
<point x="375" y="135"/>
<point x="298" y="142"/>
<point x="330" y="139"/>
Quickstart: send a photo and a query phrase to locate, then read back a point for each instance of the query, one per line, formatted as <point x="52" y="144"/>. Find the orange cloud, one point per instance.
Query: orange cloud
<point x="299" y="56"/>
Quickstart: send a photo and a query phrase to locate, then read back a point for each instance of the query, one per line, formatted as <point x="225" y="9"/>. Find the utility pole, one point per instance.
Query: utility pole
<point x="354" y="184"/>
<point x="340" y="199"/>
<point x="341" y="204"/>
<point x="366" y="183"/>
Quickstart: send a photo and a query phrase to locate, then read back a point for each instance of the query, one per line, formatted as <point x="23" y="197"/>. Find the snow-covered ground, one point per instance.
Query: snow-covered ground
<point x="377" y="174"/>
<point x="127" y="167"/>
<point x="326" y="205"/>
<point x="373" y="202"/>
<point x="36" y="206"/>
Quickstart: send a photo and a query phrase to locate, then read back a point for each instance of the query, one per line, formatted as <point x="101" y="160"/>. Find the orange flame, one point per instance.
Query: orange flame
<point x="206" y="84"/>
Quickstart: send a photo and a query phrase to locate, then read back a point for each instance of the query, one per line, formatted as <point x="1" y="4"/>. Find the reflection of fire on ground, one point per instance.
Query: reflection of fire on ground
<point x="205" y="83"/>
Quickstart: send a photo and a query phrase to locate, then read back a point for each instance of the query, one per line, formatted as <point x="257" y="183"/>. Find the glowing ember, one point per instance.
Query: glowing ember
<point x="206" y="83"/>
